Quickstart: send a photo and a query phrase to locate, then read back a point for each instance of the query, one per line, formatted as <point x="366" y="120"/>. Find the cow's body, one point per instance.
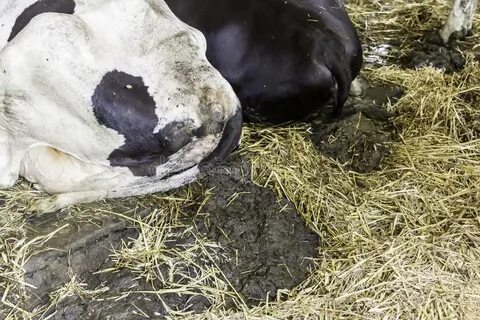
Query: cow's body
<point x="287" y="58"/>
<point x="114" y="100"/>
<point x="283" y="58"/>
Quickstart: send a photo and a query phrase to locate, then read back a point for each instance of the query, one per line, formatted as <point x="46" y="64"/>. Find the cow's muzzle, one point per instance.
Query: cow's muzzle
<point x="228" y="143"/>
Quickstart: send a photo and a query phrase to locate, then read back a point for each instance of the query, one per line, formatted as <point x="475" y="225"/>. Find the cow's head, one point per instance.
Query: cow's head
<point x="122" y="83"/>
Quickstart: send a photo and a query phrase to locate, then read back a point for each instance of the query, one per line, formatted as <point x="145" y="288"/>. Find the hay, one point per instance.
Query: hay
<point x="402" y="242"/>
<point x="177" y="269"/>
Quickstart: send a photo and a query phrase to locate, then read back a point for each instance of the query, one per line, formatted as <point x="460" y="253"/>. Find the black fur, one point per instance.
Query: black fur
<point x="283" y="58"/>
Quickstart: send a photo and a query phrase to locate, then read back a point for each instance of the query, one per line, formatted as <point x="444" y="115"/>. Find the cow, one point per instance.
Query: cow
<point x="287" y="58"/>
<point x="460" y="21"/>
<point x="106" y="99"/>
<point x="284" y="59"/>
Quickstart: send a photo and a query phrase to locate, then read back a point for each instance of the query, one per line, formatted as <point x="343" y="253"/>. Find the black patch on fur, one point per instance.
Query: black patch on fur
<point x="39" y="7"/>
<point x="122" y="102"/>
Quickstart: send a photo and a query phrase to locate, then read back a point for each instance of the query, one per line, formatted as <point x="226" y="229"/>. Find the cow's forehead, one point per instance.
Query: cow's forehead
<point x="139" y="33"/>
<point x="132" y="36"/>
<point x="63" y="60"/>
<point x="15" y="14"/>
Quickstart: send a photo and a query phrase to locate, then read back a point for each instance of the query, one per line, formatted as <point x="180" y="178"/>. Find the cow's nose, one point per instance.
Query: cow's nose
<point x="216" y="110"/>
<point x="232" y="133"/>
<point x="214" y="116"/>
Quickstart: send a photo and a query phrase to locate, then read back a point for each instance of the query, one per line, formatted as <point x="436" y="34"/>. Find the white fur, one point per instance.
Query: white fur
<point x="460" y="18"/>
<point x="49" y="71"/>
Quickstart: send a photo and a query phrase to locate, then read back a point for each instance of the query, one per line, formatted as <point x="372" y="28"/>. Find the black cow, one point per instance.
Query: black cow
<point x="284" y="59"/>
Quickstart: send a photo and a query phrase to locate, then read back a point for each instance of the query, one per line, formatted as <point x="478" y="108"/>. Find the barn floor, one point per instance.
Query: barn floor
<point x="390" y="196"/>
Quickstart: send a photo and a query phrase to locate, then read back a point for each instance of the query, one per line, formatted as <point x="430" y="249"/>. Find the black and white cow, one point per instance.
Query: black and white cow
<point x="284" y="58"/>
<point x="107" y="98"/>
